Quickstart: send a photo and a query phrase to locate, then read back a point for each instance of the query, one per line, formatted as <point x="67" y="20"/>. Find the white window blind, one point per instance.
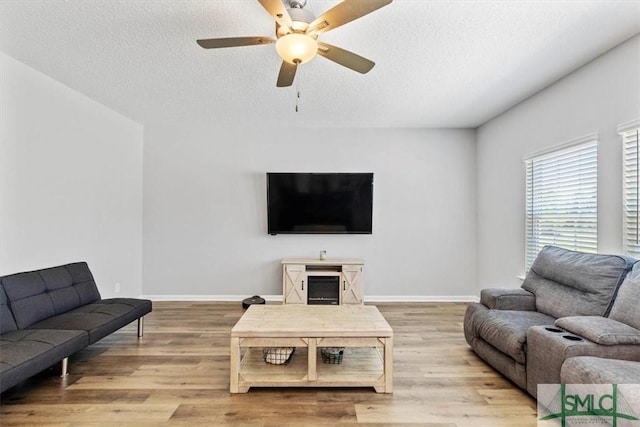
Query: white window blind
<point x="562" y="199"/>
<point x="631" y="171"/>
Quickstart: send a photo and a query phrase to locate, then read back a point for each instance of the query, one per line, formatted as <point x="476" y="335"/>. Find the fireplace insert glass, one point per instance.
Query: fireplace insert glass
<point x="323" y="290"/>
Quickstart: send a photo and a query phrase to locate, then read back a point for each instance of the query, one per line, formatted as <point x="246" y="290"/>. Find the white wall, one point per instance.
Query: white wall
<point x="71" y="189"/>
<point x="205" y="209"/>
<point x="70" y="181"/>
<point x="594" y="99"/>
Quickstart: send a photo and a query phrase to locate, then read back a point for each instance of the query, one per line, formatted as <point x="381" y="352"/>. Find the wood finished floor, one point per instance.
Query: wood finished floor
<point x="178" y="374"/>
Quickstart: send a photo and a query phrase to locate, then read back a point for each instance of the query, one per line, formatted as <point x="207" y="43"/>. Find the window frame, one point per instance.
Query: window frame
<point x="630" y="139"/>
<point x="561" y="171"/>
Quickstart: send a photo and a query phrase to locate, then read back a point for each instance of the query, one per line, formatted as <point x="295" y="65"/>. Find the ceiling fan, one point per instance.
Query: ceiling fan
<point x="297" y="33"/>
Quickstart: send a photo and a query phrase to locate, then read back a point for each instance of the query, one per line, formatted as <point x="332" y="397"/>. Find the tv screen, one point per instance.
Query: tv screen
<point x="319" y="203"/>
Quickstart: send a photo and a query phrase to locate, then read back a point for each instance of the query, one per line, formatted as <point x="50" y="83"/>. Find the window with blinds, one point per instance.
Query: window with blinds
<point x="562" y="198"/>
<point x="630" y="148"/>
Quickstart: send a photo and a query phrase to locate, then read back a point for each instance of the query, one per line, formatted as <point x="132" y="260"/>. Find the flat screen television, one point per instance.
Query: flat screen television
<point x="319" y="203"/>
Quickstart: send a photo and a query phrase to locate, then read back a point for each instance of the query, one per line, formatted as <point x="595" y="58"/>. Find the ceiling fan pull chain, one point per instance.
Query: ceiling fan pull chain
<point x="298" y="91"/>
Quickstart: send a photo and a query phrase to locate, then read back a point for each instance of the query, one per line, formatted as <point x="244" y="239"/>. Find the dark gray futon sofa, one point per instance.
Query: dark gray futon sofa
<point x="47" y="315"/>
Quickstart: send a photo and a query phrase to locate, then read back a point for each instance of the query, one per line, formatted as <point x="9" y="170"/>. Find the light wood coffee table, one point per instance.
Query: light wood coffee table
<point x="361" y="329"/>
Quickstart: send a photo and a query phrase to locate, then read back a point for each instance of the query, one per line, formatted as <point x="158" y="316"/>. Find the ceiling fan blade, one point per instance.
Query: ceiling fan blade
<point x="345" y="58"/>
<point x="233" y="42"/>
<point x="343" y="13"/>
<point x="278" y="12"/>
<point x="287" y="74"/>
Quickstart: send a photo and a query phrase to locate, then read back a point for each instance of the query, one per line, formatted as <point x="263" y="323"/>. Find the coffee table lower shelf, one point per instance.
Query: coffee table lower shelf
<point x="360" y="367"/>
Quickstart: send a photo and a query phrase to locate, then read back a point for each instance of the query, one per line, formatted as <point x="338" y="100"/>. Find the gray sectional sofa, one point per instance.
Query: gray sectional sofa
<point x="47" y="315"/>
<point x="570" y="304"/>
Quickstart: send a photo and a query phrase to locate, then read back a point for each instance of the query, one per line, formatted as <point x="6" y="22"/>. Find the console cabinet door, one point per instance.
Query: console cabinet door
<point x="352" y="285"/>
<point x="295" y="284"/>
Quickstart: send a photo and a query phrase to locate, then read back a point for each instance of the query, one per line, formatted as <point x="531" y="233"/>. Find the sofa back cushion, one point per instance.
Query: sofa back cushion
<point x="37" y="295"/>
<point x="626" y="307"/>
<point x="570" y="283"/>
<point x="7" y="323"/>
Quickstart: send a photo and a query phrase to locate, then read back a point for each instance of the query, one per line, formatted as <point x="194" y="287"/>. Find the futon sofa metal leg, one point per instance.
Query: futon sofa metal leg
<point x="140" y="326"/>
<point x="64" y="365"/>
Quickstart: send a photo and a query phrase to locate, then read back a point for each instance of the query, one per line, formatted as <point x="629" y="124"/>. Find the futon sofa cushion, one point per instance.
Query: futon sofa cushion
<point x="6" y="317"/>
<point x="27" y="352"/>
<point x="98" y="319"/>
<point x="38" y="295"/>
<point x="569" y="283"/>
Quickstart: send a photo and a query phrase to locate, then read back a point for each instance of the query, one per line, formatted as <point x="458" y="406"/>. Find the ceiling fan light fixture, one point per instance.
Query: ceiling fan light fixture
<point x="296" y="48"/>
<point x="297" y="31"/>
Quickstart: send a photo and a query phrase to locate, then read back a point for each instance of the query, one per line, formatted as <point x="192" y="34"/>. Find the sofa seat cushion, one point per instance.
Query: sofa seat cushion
<point x="600" y="330"/>
<point x="24" y="353"/>
<point x="100" y="318"/>
<point x="597" y="370"/>
<point x="506" y="330"/>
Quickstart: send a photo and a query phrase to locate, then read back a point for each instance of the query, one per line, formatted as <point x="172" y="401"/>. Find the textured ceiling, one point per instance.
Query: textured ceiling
<point x="438" y="63"/>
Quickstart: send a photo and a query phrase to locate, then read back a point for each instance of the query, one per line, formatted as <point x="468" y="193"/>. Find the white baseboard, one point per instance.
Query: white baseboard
<point x="421" y="298"/>
<point x="278" y="298"/>
<point x="219" y="298"/>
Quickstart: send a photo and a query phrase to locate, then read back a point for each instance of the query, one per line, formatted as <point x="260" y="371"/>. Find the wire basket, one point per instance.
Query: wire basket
<point x="332" y="354"/>
<point x="278" y="355"/>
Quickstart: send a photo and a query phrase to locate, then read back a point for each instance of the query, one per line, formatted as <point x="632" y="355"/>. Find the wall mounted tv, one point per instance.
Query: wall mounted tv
<point x="319" y="203"/>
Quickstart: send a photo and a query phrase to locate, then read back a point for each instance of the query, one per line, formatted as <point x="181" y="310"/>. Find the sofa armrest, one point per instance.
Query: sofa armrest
<point x="600" y="330"/>
<point x="508" y="299"/>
